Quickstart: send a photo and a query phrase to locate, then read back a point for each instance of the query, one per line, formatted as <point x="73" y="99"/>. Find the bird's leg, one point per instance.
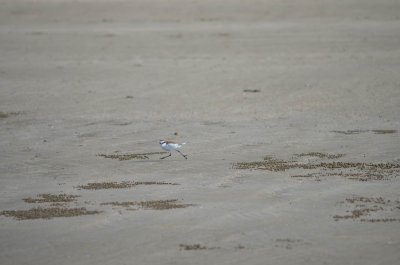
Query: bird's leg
<point x="185" y="156"/>
<point x="166" y="156"/>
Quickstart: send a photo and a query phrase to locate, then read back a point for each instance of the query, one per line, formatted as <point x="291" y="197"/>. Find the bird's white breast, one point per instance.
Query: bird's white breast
<point x="170" y="146"/>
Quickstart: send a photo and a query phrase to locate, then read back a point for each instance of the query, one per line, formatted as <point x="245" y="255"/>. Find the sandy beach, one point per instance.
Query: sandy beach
<point x="290" y="111"/>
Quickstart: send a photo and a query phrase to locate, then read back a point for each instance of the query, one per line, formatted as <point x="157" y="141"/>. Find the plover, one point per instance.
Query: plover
<point x="169" y="146"/>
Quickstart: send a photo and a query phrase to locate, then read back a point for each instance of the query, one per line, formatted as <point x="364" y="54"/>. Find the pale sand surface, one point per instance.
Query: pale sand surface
<point x="82" y="78"/>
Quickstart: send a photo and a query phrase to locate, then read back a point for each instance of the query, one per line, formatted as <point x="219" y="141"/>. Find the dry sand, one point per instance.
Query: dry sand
<point x="290" y="111"/>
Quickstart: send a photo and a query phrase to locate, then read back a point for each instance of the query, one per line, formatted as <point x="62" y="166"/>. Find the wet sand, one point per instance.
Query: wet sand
<point x="290" y="111"/>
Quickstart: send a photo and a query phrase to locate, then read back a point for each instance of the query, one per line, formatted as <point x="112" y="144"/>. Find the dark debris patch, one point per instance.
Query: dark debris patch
<point x="123" y="157"/>
<point x="268" y="157"/>
<point x="47" y="213"/>
<point x="351" y="132"/>
<point x="367" y="175"/>
<point x="377" y="131"/>
<point x="354" y="214"/>
<point x="52" y="198"/>
<point x="364" y="176"/>
<point x="370" y="209"/>
<point x="360" y="199"/>
<point x="153" y="205"/>
<point x="251" y="90"/>
<point x="195" y="247"/>
<point x="321" y="155"/>
<point x="269" y="164"/>
<point x="380" y="220"/>
<point x="314" y="176"/>
<point x="303" y="176"/>
<point x="360" y="171"/>
<point x="289" y="243"/>
<point x="120" y="185"/>
<point x="239" y="246"/>
<point x="384" y="131"/>
<point x="281" y="165"/>
<point x="4" y="115"/>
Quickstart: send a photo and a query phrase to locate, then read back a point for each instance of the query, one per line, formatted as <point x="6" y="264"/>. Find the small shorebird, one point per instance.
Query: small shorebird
<point x="169" y="146"/>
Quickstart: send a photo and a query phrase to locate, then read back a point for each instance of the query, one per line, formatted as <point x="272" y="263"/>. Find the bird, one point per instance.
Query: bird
<point x="169" y="146"/>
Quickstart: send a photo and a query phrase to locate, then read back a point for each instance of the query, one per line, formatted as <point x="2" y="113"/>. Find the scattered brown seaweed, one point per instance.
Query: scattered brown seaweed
<point x="251" y="90"/>
<point x="351" y="131"/>
<point x="360" y="171"/>
<point x="52" y="198"/>
<point x="195" y="247"/>
<point x="289" y="243"/>
<point x="360" y="199"/>
<point x="154" y="205"/>
<point x="364" y="176"/>
<point x="269" y="164"/>
<point x="320" y="155"/>
<point x="268" y="157"/>
<point x="303" y="176"/>
<point x="380" y="220"/>
<point x="281" y="165"/>
<point x="358" y="165"/>
<point x="364" y="206"/>
<point x="4" y="115"/>
<point x="377" y="131"/>
<point x="120" y="185"/>
<point x="240" y="247"/>
<point x="384" y="131"/>
<point x="354" y="214"/>
<point x="122" y="157"/>
<point x="47" y="213"/>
